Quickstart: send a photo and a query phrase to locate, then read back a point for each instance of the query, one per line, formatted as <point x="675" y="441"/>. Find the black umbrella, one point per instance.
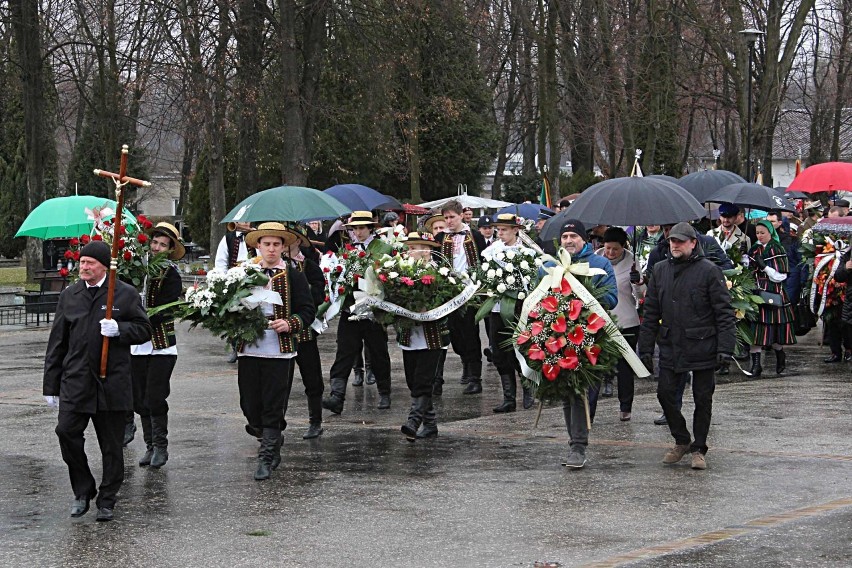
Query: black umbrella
<point x="627" y="201"/>
<point x="703" y="183"/>
<point x="752" y="195"/>
<point x="791" y="194"/>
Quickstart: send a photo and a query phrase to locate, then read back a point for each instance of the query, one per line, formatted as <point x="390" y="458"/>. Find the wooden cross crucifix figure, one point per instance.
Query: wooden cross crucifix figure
<point x="121" y="179"/>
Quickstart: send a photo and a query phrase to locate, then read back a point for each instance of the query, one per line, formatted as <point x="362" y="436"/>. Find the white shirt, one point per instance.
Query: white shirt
<point x="267" y="345"/>
<point x="222" y="253"/>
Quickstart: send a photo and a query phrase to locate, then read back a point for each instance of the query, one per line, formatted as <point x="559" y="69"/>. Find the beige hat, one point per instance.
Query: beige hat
<point x="271" y="230"/>
<point x="170" y="231"/>
<point x="813" y="205"/>
<point x="506" y="220"/>
<point x="360" y="219"/>
<point x="415" y="238"/>
<point x="427" y="224"/>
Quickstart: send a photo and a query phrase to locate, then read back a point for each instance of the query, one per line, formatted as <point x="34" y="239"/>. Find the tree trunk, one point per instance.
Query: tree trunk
<point x="217" y="128"/>
<point x="25" y="21"/>
<point x="248" y="32"/>
<point x="294" y="159"/>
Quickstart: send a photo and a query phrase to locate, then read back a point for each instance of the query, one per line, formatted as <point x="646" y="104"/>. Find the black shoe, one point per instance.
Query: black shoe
<point x="313" y="431"/>
<point x="487" y="353"/>
<point x="129" y="433"/>
<point x="724" y="369"/>
<point x="104" y="514"/>
<point x="834" y="358"/>
<point x="146" y="457"/>
<point x="333" y="404"/>
<point x="756" y="368"/>
<point x="507" y="406"/>
<point x="160" y="457"/>
<point x="358" y="381"/>
<point x="263" y="471"/>
<point x="427" y="431"/>
<point x="409" y="430"/>
<point x="661" y="421"/>
<point x="847" y="356"/>
<point x="474" y="386"/>
<point x="79" y="507"/>
<point x="438" y="387"/>
<point x="254" y="431"/>
<point x="781" y="361"/>
<point x="607" y="390"/>
<point x="384" y="402"/>
<point x="529" y="399"/>
<point x="371" y="377"/>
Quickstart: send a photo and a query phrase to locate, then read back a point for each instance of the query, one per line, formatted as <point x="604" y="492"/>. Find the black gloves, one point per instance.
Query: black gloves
<point x="648" y="360"/>
<point x="635" y="277"/>
<point x="723" y="358"/>
<point x="759" y="262"/>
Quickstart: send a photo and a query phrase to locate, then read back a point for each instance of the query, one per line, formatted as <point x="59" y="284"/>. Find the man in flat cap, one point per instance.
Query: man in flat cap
<point x="71" y="375"/>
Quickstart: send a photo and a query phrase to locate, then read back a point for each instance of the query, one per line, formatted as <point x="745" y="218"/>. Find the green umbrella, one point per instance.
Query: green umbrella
<point x="66" y="217"/>
<point x="287" y="203"/>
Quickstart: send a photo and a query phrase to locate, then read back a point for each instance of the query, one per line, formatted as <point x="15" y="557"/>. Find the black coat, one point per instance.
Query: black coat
<point x="843" y="275"/>
<point x="688" y="313"/>
<point x="73" y="360"/>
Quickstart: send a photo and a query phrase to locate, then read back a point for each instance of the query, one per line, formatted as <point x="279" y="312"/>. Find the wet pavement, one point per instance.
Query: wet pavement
<point x="489" y="491"/>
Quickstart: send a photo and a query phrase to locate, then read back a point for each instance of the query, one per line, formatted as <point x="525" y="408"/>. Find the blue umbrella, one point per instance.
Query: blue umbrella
<point x="526" y="210"/>
<point x="361" y="198"/>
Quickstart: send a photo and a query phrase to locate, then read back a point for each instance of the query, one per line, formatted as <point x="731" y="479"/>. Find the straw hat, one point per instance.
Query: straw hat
<point x="271" y="230"/>
<point x="360" y="219"/>
<point x="170" y="231"/>
<point x="415" y="238"/>
<point x="427" y="224"/>
<point x="506" y="220"/>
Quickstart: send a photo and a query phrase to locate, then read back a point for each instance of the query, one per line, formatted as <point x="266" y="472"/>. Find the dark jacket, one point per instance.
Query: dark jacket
<point x="478" y="243"/>
<point x="73" y="360"/>
<point x="162" y="291"/>
<point x="610" y="299"/>
<point x="688" y="313"/>
<point x="844" y="275"/>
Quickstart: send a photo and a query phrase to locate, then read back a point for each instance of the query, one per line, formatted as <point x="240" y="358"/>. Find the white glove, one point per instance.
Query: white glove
<point x="109" y="328"/>
<point x="52" y="401"/>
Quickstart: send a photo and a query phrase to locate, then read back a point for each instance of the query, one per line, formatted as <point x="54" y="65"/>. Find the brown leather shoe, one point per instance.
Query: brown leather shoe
<point x="676" y="454"/>
<point x="624" y="416"/>
<point x="698" y="461"/>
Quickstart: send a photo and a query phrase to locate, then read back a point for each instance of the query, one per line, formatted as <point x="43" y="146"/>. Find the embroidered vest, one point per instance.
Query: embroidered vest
<point x="286" y="341"/>
<point x="307" y="334"/>
<point x="163" y="335"/>
<point x="469" y="245"/>
<point x="437" y="334"/>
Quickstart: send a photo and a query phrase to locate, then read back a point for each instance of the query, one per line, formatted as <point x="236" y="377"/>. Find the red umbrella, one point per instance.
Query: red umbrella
<point x="410" y="209"/>
<point x="829" y="176"/>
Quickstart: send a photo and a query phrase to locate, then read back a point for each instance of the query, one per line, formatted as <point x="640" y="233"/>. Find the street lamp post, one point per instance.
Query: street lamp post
<point x="750" y="36"/>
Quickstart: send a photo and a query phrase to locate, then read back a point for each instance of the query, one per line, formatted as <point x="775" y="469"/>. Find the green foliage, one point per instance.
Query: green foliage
<point x="197" y="216"/>
<point x="520" y="188"/>
<point x="578" y="182"/>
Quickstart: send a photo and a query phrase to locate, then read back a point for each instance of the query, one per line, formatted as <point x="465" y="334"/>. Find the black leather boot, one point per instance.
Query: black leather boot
<point x="129" y="430"/>
<point x="159" y="433"/>
<point x="315" y="417"/>
<point x="429" y="429"/>
<point x="266" y="453"/>
<point x="529" y="399"/>
<point x="419" y="407"/>
<point x="474" y="386"/>
<point x="780" y="361"/>
<point x="465" y="376"/>
<point x="276" y="451"/>
<point x="510" y="389"/>
<point x="358" y="380"/>
<point x="334" y="401"/>
<point x="438" y="383"/>
<point x="147" y="435"/>
<point x="756" y="369"/>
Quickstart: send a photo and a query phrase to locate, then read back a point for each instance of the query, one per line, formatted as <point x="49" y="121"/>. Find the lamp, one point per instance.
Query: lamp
<point x="750" y="36"/>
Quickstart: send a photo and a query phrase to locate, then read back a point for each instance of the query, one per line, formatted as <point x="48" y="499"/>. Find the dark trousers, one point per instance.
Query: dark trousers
<point x="502" y="357"/>
<point x="839" y="336"/>
<point x="625" y="373"/>
<point x="420" y="368"/>
<point x="351" y="335"/>
<point x="151" y="376"/>
<point x="310" y="368"/>
<point x="109" y="428"/>
<point x="703" y="386"/>
<point x="464" y="337"/>
<point x="264" y="390"/>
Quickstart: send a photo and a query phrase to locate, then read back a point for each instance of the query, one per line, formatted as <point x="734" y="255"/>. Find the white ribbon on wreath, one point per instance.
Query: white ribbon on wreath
<point x="832" y="260"/>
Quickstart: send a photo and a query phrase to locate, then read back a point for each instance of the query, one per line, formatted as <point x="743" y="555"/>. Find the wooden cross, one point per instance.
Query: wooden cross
<point x="120" y="179"/>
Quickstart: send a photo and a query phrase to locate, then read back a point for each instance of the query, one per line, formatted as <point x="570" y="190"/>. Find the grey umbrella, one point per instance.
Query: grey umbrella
<point x="627" y="201"/>
<point x="703" y="183"/>
<point x="663" y="177"/>
<point x="752" y="195"/>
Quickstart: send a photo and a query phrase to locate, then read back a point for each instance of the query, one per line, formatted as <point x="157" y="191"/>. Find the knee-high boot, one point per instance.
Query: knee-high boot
<point x="756" y="368"/>
<point x="780" y="361"/>
<point x="510" y="389"/>
<point x="147" y="435"/>
<point x="270" y="449"/>
<point x="419" y="408"/>
<point x="429" y="429"/>
<point x="438" y="383"/>
<point x="159" y="434"/>
<point x="334" y="401"/>
<point x="315" y="417"/>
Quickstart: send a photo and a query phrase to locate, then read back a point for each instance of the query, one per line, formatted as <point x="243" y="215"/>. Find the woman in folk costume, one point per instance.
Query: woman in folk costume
<point x="152" y="363"/>
<point x="774" y="325"/>
<point x="304" y="258"/>
<point x="424" y="346"/>
<point x="503" y="356"/>
<point x="264" y="368"/>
